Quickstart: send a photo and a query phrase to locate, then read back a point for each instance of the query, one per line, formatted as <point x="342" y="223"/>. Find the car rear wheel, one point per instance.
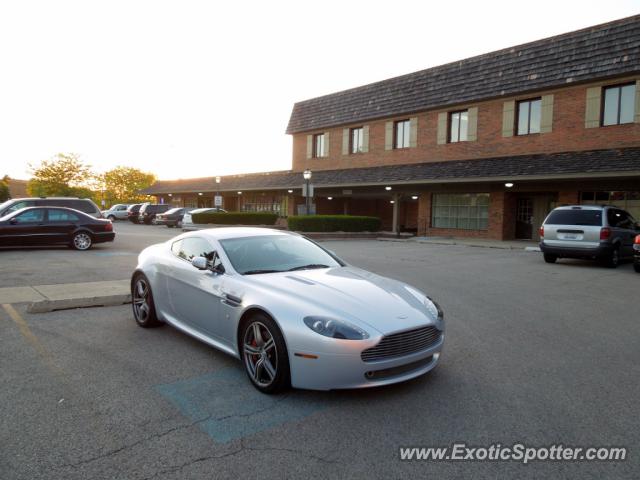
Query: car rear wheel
<point x="144" y="310"/>
<point x="613" y="260"/>
<point x="264" y="354"/>
<point x="81" y="241"/>
<point x="549" y="258"/>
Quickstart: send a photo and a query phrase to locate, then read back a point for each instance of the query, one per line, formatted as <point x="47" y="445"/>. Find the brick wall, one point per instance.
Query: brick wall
<point x="568" y="134"/>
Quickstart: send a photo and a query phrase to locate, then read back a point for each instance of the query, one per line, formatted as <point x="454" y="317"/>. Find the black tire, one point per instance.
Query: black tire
<point x="550" y="258"/>
<point x="613" y="260"/>
<point x="277" y="377"/>
<point x="170" y="226"/>
<point x="81" y="241"/>
<point x="144" y="309"/>
<point x="112" y="218"/>
<point x="636" y="267"/>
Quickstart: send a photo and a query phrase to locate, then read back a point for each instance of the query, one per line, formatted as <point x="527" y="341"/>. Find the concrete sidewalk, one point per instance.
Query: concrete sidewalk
<point x="473" y="242"/>
<point x="47" y="298"/>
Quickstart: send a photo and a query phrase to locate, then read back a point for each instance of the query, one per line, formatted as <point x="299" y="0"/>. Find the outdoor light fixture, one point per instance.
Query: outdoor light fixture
<point x="170" y="194"/>
<point x="200" y="193"/>
<point x="392" y="201"/>
<point x="508" y="184"/>
<point x="289" y="191"/>
<point x="387" y="188"/>
<point x="329" y="198"/>
<point x="239" y="193"/>
<point x="414" y="197"/>
<point x="218" y="179"/>
<point x="307" y="177"/>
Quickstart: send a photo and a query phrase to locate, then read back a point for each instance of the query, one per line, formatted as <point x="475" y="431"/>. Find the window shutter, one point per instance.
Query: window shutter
<point x="345" y="141"/>
<point x="472" y="127"/>
<point x="592" y="110"/>
<point x="442" y="128"/>
<point x="365" y="139"/>
<point x="326" y="145"/>
<point x="508" y="117"/>
<point x="388" y="136"/>
<point x="309" y="146"/>
<point x="637" y="117"/>
<point x="546" y="114"/>
<point x="413" y="133"/>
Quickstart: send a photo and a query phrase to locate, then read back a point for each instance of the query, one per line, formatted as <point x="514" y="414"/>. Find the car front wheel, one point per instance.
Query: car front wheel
<point x="81" y="241"/>
<point x="264" y="354"/>
<point x="144" y="310"/>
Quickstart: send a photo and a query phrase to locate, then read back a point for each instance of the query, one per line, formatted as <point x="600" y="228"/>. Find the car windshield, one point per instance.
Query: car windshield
<point x="275" y="253"/>
<point x="575" y="217"/>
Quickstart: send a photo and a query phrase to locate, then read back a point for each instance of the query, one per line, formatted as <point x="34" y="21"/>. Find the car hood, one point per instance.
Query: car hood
<point x="350" y="293"/>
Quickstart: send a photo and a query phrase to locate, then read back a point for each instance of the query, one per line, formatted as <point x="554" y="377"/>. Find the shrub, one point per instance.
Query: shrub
<point x="235" y="218"/>
<point x="333" y="223"/>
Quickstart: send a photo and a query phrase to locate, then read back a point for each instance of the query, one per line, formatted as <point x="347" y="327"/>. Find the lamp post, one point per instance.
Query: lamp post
<point x="218" y="179"/>
<point x="307" y="177"/>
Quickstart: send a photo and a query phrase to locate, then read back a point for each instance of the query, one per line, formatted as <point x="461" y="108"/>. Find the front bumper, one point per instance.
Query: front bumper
<point x="601" y="251"/>
<point x="340" y="371"/>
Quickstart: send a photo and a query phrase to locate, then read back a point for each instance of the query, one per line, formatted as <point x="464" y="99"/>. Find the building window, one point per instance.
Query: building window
<point x="357" y="140"/>
<point x="619" y="104"/>
<point x="458" y="126"/>
<point x="529" y="116"/>
<point x="402" y="133"/>
<point x="468" y="211"/>
<point x="318" y="145"/>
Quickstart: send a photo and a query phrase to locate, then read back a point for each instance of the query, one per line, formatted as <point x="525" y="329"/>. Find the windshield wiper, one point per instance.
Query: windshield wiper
<point x="308" y="267"/>
<point x="254" y="272"/>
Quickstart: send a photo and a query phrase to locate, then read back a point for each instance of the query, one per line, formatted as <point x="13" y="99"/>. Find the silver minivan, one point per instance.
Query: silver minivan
<point x="602" y="233"/>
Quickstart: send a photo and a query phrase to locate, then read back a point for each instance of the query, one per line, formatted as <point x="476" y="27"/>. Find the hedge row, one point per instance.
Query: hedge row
<point x="235" y="218"/>
<point x="333" y="223"/>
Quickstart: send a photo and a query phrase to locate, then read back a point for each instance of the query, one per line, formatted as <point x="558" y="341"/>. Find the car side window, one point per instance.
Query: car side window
<point x="626" y="220"/>
<point x="32" y="216"/>
<point x="56" y="215"/>
<point x="613" y="217"/>
<point x="82" y="205"/>
<point x="193" y="247"/>
<point x="17" y="206"/>
<point x="175" y="248"/>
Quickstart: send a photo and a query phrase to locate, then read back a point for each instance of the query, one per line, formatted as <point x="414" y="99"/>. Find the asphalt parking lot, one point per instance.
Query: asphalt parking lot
<point x="536" y="354"/>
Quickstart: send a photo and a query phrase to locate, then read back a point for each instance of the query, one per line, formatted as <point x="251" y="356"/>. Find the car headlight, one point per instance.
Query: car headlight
<point x="433" y="308"/>
<point x="330" y="327"/>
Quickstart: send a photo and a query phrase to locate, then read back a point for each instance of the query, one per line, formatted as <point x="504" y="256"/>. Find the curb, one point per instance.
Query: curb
<point x="44" y="306"/>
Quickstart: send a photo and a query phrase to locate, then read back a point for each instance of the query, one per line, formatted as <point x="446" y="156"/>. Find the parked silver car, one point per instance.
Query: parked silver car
<point x="116" y="212"/>
<point x="187" y="219"/>
<point x="293" y="312"/>
<point x="602" y="233"/>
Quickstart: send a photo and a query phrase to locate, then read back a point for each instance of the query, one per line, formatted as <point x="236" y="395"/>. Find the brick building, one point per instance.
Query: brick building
<point x="482" y="147"/>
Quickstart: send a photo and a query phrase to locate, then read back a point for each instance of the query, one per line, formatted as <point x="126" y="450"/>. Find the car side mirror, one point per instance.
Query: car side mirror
<point x="200" y="263"/>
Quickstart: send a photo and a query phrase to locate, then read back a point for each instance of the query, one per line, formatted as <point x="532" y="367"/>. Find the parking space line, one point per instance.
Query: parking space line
<point x="30" y="337"/>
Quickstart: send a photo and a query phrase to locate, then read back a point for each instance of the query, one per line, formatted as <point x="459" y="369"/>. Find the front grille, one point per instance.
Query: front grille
<point x="403" y="343"/>
<point x="397" y="371"/>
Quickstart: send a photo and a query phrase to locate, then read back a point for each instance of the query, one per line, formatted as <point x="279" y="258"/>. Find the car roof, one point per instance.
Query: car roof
<point x="223" y="233"/>
<point x="582" y="207"/>
<point x="51" y="207"/>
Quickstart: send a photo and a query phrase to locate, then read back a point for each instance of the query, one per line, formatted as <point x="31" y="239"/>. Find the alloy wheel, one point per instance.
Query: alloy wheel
<point x="141" y="306"/>
<point x="82" y="241"/>
<point x="260" y="354"/>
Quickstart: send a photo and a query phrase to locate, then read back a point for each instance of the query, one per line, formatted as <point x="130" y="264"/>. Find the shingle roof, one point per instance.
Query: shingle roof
<point x="601" y="51"/>
<point x="605" y="162"/>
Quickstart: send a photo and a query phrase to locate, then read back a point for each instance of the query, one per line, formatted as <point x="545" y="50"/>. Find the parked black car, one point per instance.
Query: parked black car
<point x="133" y="211"/>
<point x="636" y="254"/>
<point x="54" y="225"/>
<point x="172" y="218"/>
<point x="83" y="204"/>
<point x="148" y="212"/>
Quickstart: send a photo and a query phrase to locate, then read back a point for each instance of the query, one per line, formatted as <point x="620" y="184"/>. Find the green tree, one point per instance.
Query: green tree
<point x="122" y="184"/>
<point x="64" y="175"/>
<point x="4" y="188"/>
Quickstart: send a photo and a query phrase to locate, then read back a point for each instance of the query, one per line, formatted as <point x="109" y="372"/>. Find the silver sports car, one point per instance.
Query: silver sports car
<point x="292" y="311"/>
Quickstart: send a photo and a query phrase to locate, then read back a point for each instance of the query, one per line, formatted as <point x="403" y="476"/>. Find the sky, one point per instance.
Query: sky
<point x="202" y="88"/>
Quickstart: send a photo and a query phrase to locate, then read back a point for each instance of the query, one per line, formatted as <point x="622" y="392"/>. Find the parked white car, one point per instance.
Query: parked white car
<point x="116" y="212"/>
<point x="187" y="220"/>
